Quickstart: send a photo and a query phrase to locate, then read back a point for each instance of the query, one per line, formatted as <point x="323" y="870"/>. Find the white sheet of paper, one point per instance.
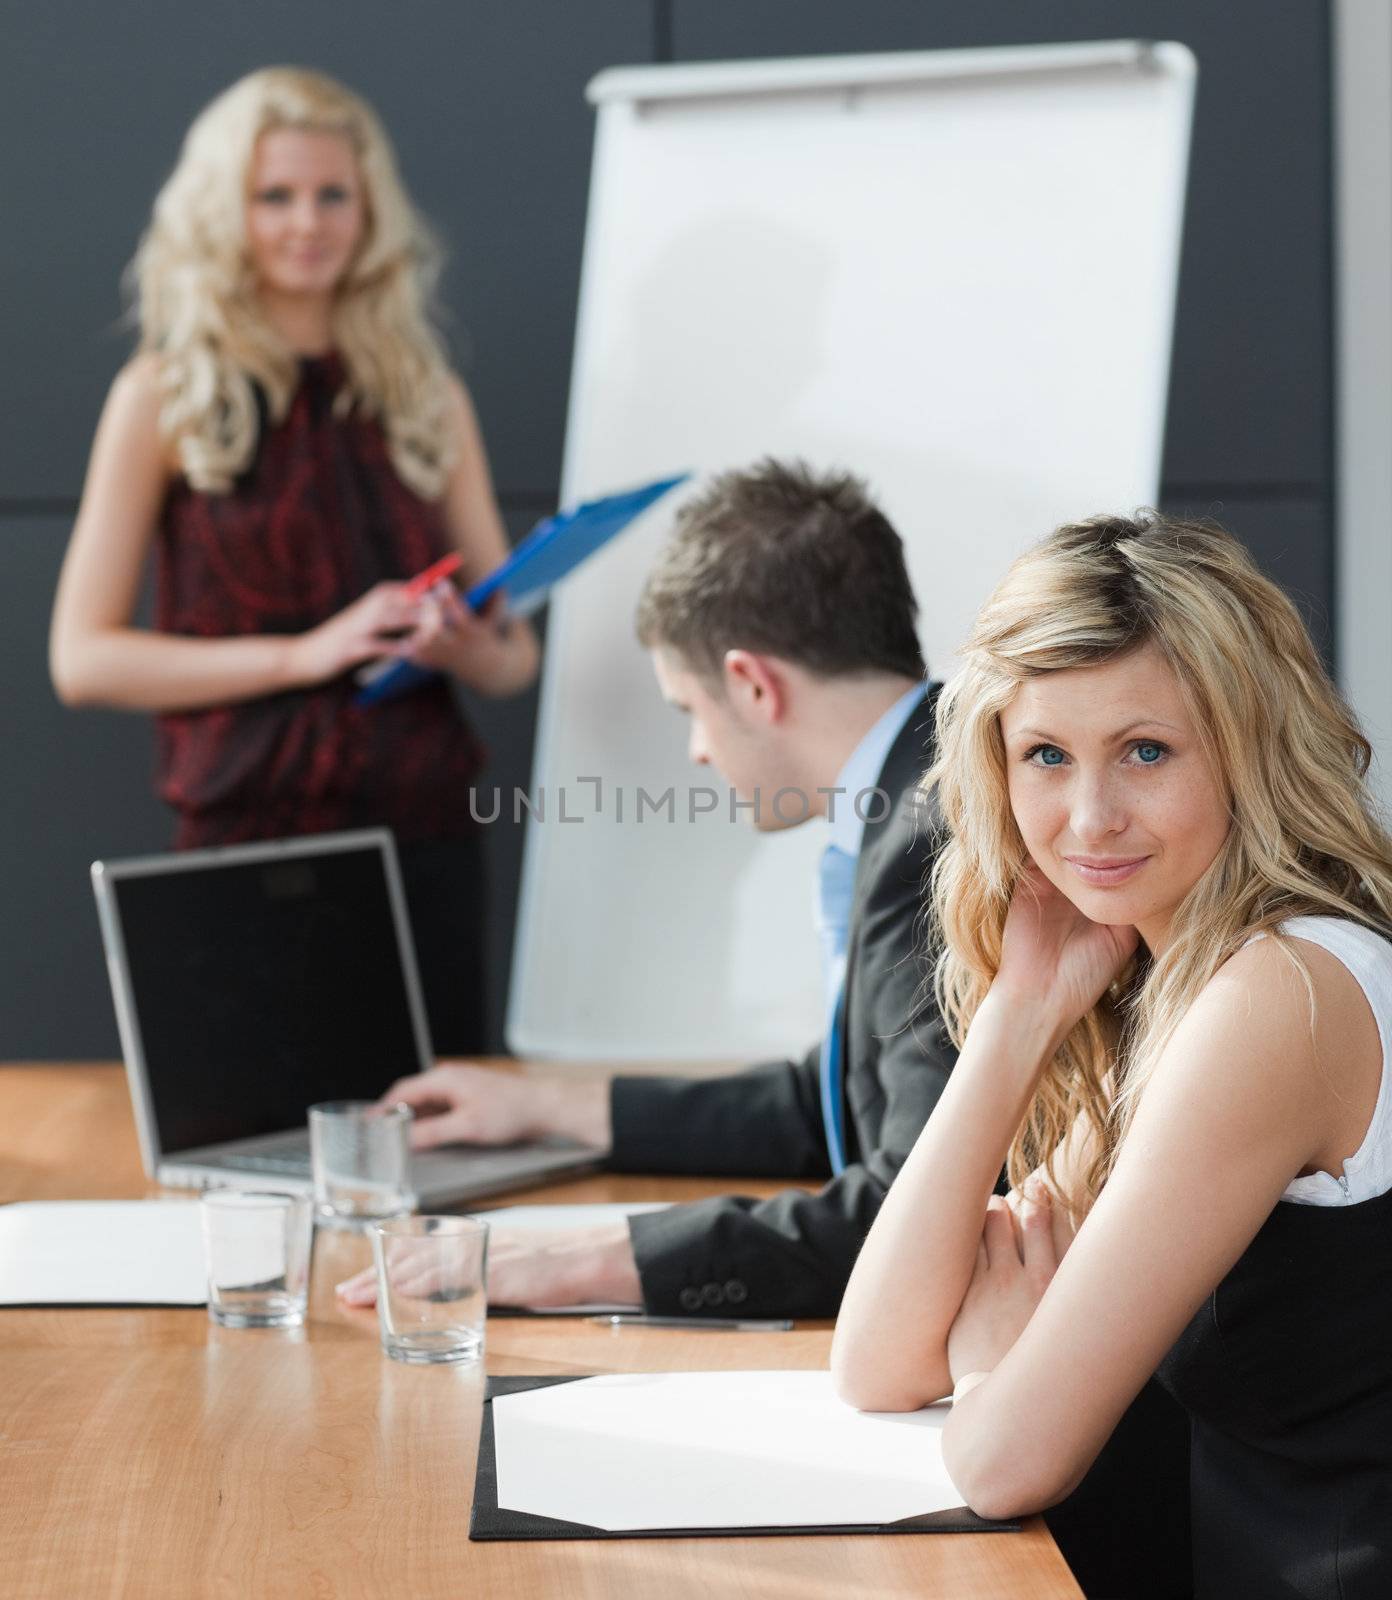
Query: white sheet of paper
<point x="715" y="1450"/>
<point x="589" y="1216"/>
<point x="102" y="1252"/>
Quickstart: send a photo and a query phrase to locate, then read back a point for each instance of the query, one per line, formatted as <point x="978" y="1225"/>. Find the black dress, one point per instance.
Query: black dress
<point x="1286" y="1372"/>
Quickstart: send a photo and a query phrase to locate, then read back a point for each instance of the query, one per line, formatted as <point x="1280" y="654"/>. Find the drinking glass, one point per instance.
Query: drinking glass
<point x="257" y="1247"/>
<point x="361" y="1158"/>
<point x="431" y="1287"/>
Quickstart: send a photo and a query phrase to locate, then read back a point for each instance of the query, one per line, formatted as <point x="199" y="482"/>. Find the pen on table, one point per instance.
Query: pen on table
<point x="634" y="1319"/>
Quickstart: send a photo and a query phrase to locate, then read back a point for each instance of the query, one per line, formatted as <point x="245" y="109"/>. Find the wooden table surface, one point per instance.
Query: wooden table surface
<point x="148" y="1453"/>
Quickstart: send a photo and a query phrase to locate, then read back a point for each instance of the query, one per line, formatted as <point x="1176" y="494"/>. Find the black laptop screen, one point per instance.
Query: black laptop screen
<point x="261" y="987"/>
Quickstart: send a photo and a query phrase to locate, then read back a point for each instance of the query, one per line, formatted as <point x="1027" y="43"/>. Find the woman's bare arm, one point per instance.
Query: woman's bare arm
<point x="889" y="1352"/>
<point x="890" y="1349"/>
<point x="97" y="656"/>
<point x="1244" y="1097"/>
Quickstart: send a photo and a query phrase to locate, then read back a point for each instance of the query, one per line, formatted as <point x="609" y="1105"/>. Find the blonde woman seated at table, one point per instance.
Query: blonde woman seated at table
<point x="1164" y="910"/>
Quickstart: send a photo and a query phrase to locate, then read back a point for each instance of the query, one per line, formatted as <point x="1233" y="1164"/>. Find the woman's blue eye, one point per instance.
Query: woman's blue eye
<point x="1046" y="755"/>
<point x="1148" y="753"/>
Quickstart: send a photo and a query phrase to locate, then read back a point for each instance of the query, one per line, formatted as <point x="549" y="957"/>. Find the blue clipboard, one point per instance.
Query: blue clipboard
<point x="550" y="552"/>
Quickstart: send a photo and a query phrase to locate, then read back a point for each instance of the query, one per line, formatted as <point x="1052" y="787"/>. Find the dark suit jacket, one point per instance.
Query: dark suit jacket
<point x="791" y="1256"/>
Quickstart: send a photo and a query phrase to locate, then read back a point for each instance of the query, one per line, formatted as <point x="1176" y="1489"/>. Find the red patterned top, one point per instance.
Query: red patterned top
<point x="317" y="519"/>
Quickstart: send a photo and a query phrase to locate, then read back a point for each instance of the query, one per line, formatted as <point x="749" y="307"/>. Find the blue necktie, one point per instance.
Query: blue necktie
<point x="835" y="885"/>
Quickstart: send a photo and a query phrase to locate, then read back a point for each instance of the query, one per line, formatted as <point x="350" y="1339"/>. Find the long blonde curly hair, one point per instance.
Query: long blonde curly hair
<point x="1305" y="838"/>
<point x="198" y="310"/>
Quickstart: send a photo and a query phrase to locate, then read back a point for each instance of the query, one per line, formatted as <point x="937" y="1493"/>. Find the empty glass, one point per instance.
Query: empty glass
<point x="257" y="1247"/>
<point x="361" y="1158"/>
<point x="431" y="1287"/>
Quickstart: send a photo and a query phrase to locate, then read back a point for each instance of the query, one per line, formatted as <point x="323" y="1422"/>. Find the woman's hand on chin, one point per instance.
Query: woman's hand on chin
<point x="1052" y="956"/>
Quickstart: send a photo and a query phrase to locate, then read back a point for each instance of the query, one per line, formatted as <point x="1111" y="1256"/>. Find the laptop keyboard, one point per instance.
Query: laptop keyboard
<point x="292" y="1162"/>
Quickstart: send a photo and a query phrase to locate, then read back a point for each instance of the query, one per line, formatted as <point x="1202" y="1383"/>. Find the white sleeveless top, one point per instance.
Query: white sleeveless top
<point x="1368" y="1172"/>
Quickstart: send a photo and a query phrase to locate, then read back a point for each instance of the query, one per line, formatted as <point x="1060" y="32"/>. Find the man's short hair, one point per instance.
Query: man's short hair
<point x="787" y="562"/>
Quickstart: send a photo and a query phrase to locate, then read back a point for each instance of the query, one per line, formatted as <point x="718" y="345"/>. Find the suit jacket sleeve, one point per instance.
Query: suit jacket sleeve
<point x="792" y="1255"/>
<point x="763" y="1122"/>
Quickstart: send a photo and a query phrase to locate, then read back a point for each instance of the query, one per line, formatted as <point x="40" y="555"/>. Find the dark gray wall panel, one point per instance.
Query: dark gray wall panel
<point x="484" y="100"/>
<point x="1291" y="540"/>
<point x="80" y="787"/>
<point x="1250" y="396"/>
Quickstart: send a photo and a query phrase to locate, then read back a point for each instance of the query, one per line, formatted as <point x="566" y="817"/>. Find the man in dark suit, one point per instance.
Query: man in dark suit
<point x="781" y="622"/>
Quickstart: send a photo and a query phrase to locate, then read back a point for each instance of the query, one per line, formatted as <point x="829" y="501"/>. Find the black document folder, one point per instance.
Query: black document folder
<point x="489" y="1521"/>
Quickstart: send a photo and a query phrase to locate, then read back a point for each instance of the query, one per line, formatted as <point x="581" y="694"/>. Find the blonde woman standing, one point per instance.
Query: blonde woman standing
<point x="1164" y="910"/>
<point x="290" y="441"/>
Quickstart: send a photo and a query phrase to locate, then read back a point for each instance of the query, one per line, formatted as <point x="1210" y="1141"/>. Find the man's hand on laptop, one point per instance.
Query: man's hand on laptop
<point x="456" y="1103"/>
<point x="529" y="1267"/>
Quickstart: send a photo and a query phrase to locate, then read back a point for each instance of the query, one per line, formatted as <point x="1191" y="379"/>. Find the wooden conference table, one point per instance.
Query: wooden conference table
<point x="146" y="1453"/>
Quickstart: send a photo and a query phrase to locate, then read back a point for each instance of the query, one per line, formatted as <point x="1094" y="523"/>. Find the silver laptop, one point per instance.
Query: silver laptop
<point x="253" y="981"/>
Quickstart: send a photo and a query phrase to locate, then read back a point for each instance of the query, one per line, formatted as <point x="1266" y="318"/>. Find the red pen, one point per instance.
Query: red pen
<point x="416" y="587"/>
<point x="424" y="582"/>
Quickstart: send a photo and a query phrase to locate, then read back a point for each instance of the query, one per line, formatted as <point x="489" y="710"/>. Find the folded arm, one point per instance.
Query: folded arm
<point x="890" y="1348"/>
<point x="1239" y="1103"/>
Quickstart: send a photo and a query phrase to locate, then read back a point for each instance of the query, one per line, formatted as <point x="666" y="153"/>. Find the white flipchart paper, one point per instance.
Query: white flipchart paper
<point x="102" y="1252"/>
<point x="715" y="1450"/>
